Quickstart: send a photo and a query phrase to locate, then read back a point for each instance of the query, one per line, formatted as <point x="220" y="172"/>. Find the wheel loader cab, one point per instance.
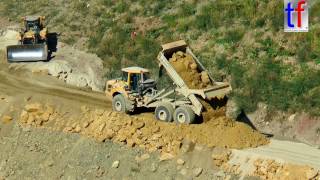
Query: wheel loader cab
<point x="33" y="22"/>
<point x="32" y="25"/>
<point x="33" y="31"/>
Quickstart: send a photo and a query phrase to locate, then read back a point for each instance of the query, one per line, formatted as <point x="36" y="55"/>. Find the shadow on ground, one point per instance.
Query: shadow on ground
<point x="52" y="44"/>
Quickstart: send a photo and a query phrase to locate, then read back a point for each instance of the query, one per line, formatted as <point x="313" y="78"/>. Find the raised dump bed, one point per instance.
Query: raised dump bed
<point x="215" y="90"/>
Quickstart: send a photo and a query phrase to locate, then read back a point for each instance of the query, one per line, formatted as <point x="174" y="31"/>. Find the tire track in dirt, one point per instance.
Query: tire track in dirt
<point x="13" y="84"/>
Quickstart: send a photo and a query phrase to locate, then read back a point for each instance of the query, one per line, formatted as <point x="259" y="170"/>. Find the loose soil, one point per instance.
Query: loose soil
<point x="188" y="69"/>
<point x="143" y="130"/>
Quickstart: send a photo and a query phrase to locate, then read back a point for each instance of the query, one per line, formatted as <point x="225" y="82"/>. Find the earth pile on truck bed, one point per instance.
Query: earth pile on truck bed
<point x="188" y="69"/>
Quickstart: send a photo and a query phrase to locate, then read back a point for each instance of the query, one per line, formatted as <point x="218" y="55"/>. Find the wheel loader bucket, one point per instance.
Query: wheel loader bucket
<point x="27" y="53"/>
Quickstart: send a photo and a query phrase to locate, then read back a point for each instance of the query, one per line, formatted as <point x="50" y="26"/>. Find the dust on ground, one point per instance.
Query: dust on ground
<point x="188" y="69"/>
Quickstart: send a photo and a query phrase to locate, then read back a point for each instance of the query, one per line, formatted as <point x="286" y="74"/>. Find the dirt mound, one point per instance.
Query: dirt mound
<point x="36" y="114"/>
<point x="261" y="167"/>
<point x="144" y="132"/>
<point x="210" y="113"/>
<point x="188" y="69"/>
<point x="270" y="169"/>
<point x="224" y="132"/>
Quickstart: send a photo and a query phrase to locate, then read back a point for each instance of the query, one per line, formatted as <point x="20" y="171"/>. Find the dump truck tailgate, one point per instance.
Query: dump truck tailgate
<point x="218" y="91"/>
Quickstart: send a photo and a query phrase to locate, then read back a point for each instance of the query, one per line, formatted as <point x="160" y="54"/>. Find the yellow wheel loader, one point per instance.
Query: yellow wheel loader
<point x="32" y="41"/>
<point x="178" y="102"/>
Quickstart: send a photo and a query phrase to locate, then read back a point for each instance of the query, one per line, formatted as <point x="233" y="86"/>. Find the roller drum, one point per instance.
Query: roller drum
<point x="25" y="53"/>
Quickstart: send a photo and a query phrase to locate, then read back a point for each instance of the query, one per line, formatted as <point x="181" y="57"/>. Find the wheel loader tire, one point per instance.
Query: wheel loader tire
<point x="164" y="112"/>
<point x="184" y="115"/>
<point x="119" y="104"/>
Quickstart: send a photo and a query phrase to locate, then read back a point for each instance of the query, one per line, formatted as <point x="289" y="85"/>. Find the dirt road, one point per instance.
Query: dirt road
<point x="24" y="84"/>
<point x="290" y="152"/>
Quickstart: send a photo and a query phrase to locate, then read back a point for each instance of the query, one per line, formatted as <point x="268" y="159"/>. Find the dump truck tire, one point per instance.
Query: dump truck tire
<point x="119" y="104"/>
<point x="164" y="112"/>
<point x="184" y="115"/>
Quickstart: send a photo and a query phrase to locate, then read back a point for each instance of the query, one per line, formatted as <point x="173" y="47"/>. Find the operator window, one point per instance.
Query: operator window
<point x="135" y="78"/>
<point x="125" y="76"/>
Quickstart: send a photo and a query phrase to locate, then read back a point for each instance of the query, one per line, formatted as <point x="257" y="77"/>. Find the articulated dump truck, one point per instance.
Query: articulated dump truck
<point x="177" y="103"/>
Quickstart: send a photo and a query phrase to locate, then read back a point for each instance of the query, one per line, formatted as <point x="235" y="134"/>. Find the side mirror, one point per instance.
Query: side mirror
<point x="160" y="73"/>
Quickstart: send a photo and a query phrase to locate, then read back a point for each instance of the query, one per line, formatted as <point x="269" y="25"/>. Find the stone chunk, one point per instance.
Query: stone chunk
<point x="197" y="171"/>
<point x="166" y="156"/>
<point x="33" y="107"/>
<point x="115" y="164"/>
<point x="7" y="119"/>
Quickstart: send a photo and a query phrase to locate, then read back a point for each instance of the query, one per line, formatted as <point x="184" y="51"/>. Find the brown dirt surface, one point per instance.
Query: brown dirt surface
<point x="187" y="68"/>
<point x="143" y="131"/>
<point x="2" y="57"/>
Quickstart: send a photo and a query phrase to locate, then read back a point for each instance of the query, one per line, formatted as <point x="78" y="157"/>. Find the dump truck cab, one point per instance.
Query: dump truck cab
<point x="132" y="89"/>
<point x="129" y="83"/>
